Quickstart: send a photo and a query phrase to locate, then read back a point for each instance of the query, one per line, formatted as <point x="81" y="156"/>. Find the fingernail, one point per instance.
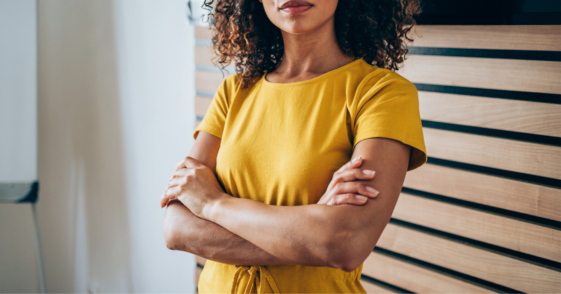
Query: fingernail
<point x="356" y="159"/>
<point x="373" y="191"/>
<point x="368" y="172"/>
<point x="361" y="198"/>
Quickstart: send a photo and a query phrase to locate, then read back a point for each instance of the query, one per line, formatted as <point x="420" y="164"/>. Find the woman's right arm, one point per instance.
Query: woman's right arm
<point x="186" y="232"/>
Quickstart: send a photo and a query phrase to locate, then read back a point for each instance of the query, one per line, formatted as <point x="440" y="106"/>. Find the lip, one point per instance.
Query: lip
<point x="296" y="6"/>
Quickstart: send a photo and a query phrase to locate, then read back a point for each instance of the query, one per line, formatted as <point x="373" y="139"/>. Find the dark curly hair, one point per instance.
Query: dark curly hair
<point x="374" y="30"/>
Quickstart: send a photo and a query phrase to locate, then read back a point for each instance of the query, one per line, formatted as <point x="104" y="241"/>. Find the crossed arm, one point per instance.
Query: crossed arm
<point x="242" y="231"/>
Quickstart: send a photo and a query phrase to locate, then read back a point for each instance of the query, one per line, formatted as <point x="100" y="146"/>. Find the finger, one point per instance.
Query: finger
<point x="164" y="200"/>
<point x="325" y="199"/>
<point x="181" y="173"/>
<point x="355" y="188"/>
<point x="173" y="192"/>
<point x="190" y="162"/>
<point x="351" y="175"/>
<point x="349" y="198"/>
<point x="169" y="194"/>
<point x="176" y="181"/>
<point x="177" y="173"/>
<point x="355" y="163"/>
<point x="181" y="164"/>
<point x="354" y="174"/>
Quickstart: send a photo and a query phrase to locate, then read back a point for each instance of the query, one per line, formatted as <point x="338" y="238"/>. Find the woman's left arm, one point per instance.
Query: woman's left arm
<point x="339" y="236"/>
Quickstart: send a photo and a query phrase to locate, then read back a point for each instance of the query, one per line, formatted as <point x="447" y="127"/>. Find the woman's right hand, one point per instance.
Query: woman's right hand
<point x="344" y="187"/>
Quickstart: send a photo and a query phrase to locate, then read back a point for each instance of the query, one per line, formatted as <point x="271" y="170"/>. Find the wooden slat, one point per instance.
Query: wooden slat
<point x="414" y="278"/>
<point x="208" y="81"/>
<point x="204" y="55"/>
<point x="500" y="74"/>
<point x="202" y="33"/>
<point x="201" y="105"/>
<point x="523" y="37"/>
<point x="512" y="155"/>
<point x="502" y="114"/>
<point x="200" y="260"/>
<point x="470" y="260"/>
<point x="375" y="289"/>
<point x="488" y="190"/>
<point x="490" y="228"/>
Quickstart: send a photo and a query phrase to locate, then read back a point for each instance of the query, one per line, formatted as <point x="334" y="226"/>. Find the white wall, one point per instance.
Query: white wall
<point x="116" y="114"/>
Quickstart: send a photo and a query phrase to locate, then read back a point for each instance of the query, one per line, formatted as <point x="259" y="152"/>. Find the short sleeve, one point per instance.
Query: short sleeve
<point x="215" y="117"/>
<point x="388" y="107"/>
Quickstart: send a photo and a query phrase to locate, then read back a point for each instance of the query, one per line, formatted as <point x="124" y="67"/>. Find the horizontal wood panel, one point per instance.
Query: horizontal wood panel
<point x="519" y="37"/>
<point x="499" y="74"/>
<point x="502" y="114"/>
<point x="414" y="278"/>
<point x="375" y="289"/>
<point x="201" y="105"/>
<point x="469" y="260"/>
<point x="512" y="155"/>
<point x="490" y="228"/>
<point x="209" y="81"/>
<point x="204" y="55"/>
<point x="488" y="190"/>
<point x="203" y="32"/>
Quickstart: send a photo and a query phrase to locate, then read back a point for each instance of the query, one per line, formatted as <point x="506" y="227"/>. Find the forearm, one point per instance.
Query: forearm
<point x="340" y="236"/>
<point x="186" y="232"/>
<point x="311" y="235"/>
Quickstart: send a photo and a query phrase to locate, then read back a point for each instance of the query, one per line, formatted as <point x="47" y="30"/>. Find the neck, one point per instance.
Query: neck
<point x="311" y="54"/>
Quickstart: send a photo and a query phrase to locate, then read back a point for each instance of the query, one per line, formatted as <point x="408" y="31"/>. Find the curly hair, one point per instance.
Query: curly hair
<point x="374" y="30"/>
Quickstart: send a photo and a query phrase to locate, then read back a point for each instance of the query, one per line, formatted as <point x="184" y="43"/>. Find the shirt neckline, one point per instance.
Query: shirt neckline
<point x="318" y="78"/>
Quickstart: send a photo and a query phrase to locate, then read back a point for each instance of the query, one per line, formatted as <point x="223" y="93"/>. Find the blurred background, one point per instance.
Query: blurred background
<point x="115" y="114"/>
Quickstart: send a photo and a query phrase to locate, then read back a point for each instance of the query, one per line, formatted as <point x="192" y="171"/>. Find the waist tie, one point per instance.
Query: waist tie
<point x="249" y="275"/>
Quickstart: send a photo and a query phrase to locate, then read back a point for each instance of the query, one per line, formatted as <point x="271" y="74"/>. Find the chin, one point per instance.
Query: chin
<point x="301" y="24"/>
<point x="298" y="27"/>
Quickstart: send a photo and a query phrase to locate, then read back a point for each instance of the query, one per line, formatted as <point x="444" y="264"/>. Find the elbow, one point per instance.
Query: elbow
<point x="170" y="236"/>
<point x="346" y="259"/>
<point x="344" y="251"/>
<point x="350" y="264"/>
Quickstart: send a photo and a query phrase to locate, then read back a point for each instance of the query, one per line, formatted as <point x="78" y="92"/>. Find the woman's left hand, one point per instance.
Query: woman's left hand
<point x="195" y="185"/>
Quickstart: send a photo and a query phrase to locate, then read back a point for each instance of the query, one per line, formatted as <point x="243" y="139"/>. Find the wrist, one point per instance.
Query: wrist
<point x="210" y="211"/>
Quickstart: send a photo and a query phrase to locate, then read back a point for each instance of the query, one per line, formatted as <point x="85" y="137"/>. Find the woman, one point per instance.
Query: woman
<point x="314" y="88"/>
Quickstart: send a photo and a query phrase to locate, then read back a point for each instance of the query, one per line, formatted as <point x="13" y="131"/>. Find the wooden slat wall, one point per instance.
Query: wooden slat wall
<point x="516" y="116"/>
<point x="521" y="37"/>
<point x="499" y="74"/>
<point x="484" y="214"/>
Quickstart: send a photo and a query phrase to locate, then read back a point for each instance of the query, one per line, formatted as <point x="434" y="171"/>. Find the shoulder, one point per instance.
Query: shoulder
<point x="381" y="79"/>
<point x="227" y="89"/>
<point x="231" y="88"/>
<point x="230" y="84"/>
<point x="380" y="85"/>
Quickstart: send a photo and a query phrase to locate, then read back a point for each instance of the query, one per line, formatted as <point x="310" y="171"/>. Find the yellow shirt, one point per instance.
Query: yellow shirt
<point x="281" y="144"/>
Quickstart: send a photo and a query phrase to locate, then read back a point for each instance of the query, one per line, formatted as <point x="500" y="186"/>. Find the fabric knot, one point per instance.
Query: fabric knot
<point x="253" y="279"/>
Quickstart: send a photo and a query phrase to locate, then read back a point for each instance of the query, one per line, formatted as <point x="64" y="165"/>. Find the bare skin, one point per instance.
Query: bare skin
<point x="186" y="232"/>
<point x="219" y="227"/>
